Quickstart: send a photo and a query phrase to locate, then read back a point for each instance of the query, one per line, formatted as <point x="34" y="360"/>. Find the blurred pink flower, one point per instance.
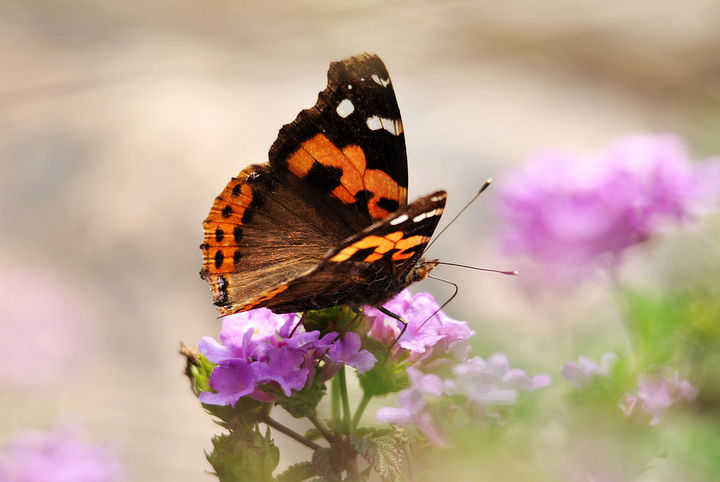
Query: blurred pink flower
<point x="584" y="211"/>
<point x="493" y="382"/>
<point x="414" y="405"/>
<point x="42" y="324"/>
<point x="655" y="394"/>
<point x="580" y="373"/>
<point x="59" y="456"/>
<point x="478" y="382"/>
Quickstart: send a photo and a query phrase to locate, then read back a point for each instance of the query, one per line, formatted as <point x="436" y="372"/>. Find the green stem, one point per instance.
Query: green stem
<point x="335" y="402"/>
<point x="345" y="400"/>
<point x="321" y="428"/>
<point x="270" y="422"/>
<point x="361" y="408"/>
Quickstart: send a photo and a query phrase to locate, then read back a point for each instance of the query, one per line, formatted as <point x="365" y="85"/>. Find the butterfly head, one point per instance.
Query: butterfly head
<point x="421" y="270"/>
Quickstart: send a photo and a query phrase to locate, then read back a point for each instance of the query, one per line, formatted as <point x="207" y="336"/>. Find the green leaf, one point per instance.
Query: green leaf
<point x="337" y="318"/>
<point x="244" y="455"/>
<point x="297" y="473"/>
<point x="245" y="412"/>
<point x="382" y="451"/>
<point x="304" y="402"/>
<point x="329" y="463"/>
<point x="384" y="378"/>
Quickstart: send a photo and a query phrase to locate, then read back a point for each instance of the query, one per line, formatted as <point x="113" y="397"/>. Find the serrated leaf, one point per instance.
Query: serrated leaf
<point x="297" y="472"/>
<point x="328" y="463"/>
<point x="382" y="451"/>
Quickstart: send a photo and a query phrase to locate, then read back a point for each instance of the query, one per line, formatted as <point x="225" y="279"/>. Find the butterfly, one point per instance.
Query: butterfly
<point x="326" y="221"/>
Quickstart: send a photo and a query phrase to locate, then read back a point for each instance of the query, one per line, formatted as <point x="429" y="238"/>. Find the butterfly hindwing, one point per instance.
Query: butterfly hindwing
<point x="264" y="229"/>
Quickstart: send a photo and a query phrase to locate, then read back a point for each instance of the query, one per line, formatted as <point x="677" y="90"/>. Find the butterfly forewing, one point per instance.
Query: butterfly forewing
<point x="350" y="145"/>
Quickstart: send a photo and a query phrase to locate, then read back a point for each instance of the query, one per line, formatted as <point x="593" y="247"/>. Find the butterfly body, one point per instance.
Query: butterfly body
<point x="326" y="221"/>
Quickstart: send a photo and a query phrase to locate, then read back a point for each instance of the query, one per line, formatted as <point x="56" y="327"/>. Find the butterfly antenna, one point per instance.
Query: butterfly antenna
<point x="448" y="301"/>
<point x="484" y="186"/>
<point x="509" y="273"/>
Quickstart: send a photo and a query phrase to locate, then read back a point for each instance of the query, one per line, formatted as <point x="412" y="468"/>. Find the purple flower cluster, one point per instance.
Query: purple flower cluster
<point x="425" y="338"/>
<point x="656" y="394"/>
<point x="259" y="347"/>
<point x="569" y="210"/>
<point x="580" y="373"/>
<point x="59" y="456"/>
<point x="481" y="383"/>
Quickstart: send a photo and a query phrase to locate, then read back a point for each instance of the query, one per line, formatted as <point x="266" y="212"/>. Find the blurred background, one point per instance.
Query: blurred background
<point x="120" y="122"/>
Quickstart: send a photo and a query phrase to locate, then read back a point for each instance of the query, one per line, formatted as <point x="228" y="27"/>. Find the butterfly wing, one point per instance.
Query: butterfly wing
<point x="350" y="146"/>
<point x="367" y="268"/>
<point x="332" y="172"/>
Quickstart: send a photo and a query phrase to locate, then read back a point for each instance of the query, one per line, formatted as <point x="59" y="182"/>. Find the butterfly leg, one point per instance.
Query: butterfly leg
<point x="358" y="314"/>
<point x="398" y="318"/>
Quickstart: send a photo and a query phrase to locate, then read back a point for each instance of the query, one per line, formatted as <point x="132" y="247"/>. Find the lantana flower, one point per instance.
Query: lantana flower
<point x="656" y="394"/>
<point x="62" y="455"/>
<point x="581" y="211"/>
<point x="581" y="372"/>
<point x="425" y="337"/>
<point x="260" y="347"/>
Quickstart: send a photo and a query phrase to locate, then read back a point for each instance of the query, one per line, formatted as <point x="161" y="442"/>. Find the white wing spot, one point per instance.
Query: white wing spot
<point x="393" y="126"/>
<point x="437" y="198"/>
<point x="349" y="86"/>
<point x="345" y="108"/>
<point x="400" y="219"/>
<point x="374" y="123"/>
<point x="379" y="81"/>
<point x="428" y="214"/>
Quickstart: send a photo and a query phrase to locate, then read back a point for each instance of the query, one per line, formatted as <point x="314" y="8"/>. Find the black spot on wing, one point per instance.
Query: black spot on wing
<point x="361" y="254"/>
<point x="389" y="205"/>
<point x="219" y="258"/>
<point x="323" y="178"/>
<point x="363" y="197"/>
<point x="219" y="234"/>
<point x="237" y="233"/>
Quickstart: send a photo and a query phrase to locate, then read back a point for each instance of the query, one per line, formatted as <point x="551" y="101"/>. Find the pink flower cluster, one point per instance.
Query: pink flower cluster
<point x="656" y="394"/>
<point x="582" y="372"/>
<point x="569" y="210"/>
<point x="59" y="456"/>
<point x="259" y="347"/>
<point x="482" y="383"/>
